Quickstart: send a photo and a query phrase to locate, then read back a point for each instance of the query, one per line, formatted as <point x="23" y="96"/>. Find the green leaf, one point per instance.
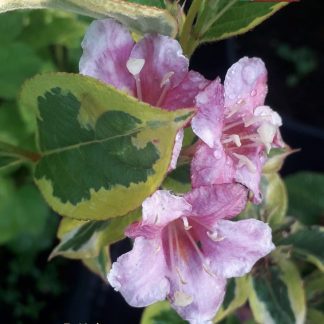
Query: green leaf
<point x="12" y="127"/>
<point x="275" y="200"/>
<point x="47" y="27"/>
<point x="226" y="18"/>
<point x="308" y="245"/>
<point x="161" y="313"/>
<point x="153" y="3"/>
<point x="103" y="151"/>
<point x="11" y="25"/>
<point x="237" y="293"/>
<point x="85" y="239"/>
<point x="138" y="17"/>
<point x="305" y="192"/>
<point x="314" y="286"/>
<point x="277" y="295"/>
<point x="276" y="158"/>
<point x="99" y="264"/>
<point x="22" y="211"/>
<point x="314" y="316"/>
<point x="273" y="208"/>
<point x="18" y="62"/>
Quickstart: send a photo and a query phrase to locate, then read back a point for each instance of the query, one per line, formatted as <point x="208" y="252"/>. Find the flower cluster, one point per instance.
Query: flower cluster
<point x="186" y="246"/>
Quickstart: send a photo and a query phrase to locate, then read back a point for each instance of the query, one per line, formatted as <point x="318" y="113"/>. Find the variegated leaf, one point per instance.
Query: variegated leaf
<point x="275" y="200"/>
<point x="99" y="264"/>
<point x="103" y="152"/>
<point x="277" y="295"/>
<point x="85" y="239"/>
<point x="161" y="313"/>
<point x="307" y="244"/>
<point x="237" y="293"/>
<point x="140" y="18"/>
<point x="225" y="18"/>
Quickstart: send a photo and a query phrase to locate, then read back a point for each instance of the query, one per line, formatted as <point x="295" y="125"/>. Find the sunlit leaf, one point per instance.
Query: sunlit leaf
<point x="103" y="152"/>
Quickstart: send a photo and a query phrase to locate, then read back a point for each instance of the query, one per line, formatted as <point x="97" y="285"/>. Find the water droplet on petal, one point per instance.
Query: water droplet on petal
<point x="253" y="93"/>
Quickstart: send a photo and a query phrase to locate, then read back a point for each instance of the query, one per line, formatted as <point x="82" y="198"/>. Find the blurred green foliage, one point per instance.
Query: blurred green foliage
<point x="31" y="42"/>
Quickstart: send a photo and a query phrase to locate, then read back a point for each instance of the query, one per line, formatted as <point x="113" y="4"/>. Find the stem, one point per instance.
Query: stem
<point x="16" y="151"/>
<point x="187" y="27"/>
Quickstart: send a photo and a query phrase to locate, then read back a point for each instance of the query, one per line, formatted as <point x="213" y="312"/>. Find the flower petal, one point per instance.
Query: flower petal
<point x="246" y="84"/>
<point x="208" y="122"/>
<point x="199" y="299"/>
<point x="139" y="275"/>
<point x="183" y="95"/>
<point x="211" y="166"/>
<point x="251" y="177"/>
<point x="106" y="49"/>
<point x="217" y="201"/>
<point x="195" y="293"/>
<point x="165" y="65"/>
<point x="163" y="207"/>
<point x="239" y="246"/>
<point x="176" y="149"/>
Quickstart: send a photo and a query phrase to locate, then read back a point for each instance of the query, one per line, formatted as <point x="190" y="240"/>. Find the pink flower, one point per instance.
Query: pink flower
<point x="154" y="69"/>
<point x="235" y="128"/>
<point x="185" y="248"/>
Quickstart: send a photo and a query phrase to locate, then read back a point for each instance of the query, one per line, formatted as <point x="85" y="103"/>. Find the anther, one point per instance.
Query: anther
<point x="135" y="66"/>
<point x="245" y="161"/>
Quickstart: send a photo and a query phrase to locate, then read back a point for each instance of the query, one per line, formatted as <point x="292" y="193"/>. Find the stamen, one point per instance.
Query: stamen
<point x="252" y="137"/>
<point x="246" y="146"/>
<point x="267" y="132"/>
<point x="180" y="276"/>
<point x="170" y="241"/>
<point x="182" y="280"/>
<point x="235" y="108"/>
<point x="186" y="223"/>
<point x="192" y="241"/>
<point x="233" y="138"/>
<point x="231" y="125"/>
<point x="215" y="237"/>
<point x="201" y="256"/>
<point x="166" y="79"/>
<point x="181" y="299"/>
<point x="206" y="269"/>
<point x="135" y="66"/>
<point x="165" y="85"/>
<point x="245" y="161"/>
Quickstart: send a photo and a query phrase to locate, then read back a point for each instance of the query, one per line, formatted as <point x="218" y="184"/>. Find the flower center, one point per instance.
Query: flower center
<point x="135" y="66"/>
<point x="245" y="133"/>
